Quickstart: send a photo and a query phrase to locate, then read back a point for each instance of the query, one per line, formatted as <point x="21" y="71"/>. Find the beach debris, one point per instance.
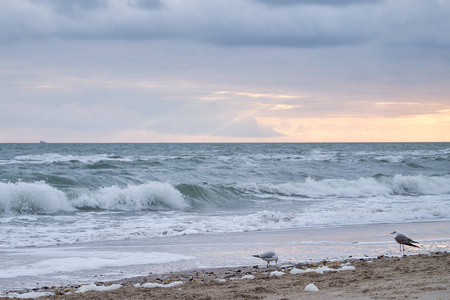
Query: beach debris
<point x="155" y="284"/>
<point x="98" y="288"/>
<point x="248" y="276"/>
<point x="322" y="269"/>
<point x="333" y="264"/>
<point x="268" y="257"/>
<point x="311" y="288"/>
<point x="220" y="280"/>
<point x="403" y="240"/>
<point x="276" y="273"/>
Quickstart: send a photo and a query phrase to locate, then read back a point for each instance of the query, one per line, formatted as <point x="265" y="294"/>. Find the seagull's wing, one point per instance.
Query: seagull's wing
<point x="403" y="239"/>
<point x="269" y="254"/>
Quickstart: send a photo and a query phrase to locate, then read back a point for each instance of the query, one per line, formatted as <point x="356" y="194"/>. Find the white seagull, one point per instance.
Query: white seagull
<point x="403" y="240"/>
<point x="268" y="256"/>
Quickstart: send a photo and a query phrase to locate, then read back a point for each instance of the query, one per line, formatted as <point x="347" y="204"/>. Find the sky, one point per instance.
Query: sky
<point x="81" y="71"/>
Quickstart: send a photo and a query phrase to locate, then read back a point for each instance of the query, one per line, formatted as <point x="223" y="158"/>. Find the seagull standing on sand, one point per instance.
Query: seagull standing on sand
<point x="268" y="256"/>
<point x="403" y="240"/>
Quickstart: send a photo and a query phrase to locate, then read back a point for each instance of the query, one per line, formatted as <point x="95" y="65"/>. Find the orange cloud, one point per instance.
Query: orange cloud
<point x="423" y="128"/>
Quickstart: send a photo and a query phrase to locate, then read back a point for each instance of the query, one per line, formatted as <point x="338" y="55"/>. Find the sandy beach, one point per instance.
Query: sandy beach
<point x="408" y="277"/>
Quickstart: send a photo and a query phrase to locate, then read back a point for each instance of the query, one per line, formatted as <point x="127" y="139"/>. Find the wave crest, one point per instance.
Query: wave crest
<point x="32" y="198"/>
<point x="151" y="195"/>
<point x="361" y="187"/>
<point x="41" y="198"/>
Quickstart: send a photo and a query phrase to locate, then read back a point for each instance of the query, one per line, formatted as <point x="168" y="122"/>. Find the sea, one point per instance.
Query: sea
<point x="68" y="196"/>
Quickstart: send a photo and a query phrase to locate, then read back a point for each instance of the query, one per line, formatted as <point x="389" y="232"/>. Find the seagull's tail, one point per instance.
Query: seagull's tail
<point x="411" y="244"/>
<point x="255" y="255"/>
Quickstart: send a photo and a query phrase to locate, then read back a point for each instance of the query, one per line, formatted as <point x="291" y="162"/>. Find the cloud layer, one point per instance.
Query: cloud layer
<point x="204" y="70"/>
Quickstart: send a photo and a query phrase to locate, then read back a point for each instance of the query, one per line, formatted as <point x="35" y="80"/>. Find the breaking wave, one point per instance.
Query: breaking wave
<point x="32" y="198"/>
<point x="55" y="157"/>
<point x="41" y="198"/>
<point x="148" y="196"/>
<point x="362" y="187"/>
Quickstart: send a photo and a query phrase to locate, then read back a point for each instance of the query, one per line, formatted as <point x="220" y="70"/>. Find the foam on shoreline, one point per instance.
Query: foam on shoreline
<point x="197" y="252"/>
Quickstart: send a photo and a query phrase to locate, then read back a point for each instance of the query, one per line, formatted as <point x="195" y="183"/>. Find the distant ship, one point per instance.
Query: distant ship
<point x="42" y="142"/>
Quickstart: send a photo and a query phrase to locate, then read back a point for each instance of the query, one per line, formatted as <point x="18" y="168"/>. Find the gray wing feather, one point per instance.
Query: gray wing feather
<point x="403" y="239"/>
<point x="269" y="254"/>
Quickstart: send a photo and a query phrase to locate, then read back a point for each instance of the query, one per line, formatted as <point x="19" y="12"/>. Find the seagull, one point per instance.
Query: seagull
<point x="403" y="240"/>
<point x="268" y="256"/>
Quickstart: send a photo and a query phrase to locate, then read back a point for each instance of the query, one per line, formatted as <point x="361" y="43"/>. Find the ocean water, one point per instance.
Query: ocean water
<point x="65" y="194"/>
<point x="80" y="213"/>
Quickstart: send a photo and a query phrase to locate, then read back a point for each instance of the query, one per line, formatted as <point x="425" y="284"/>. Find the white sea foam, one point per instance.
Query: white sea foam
<point x="168" y="285"/>
<point x="276" y="273"/>
<point x="32" y="295"/>
<point x="321" y="270"/>
<point x="314" y="155"/>
<point x="59" y="217"/>
<point x="32" y="198"/>
<point x="362" y="187"/>
<point x="102" y="226"/>
<point x="311" y="288"/>
<point x="390" y="158"/>
<point x="97" y="288"/>
<point x="55" y="157"/>
<point x="132" y="197"/>
<point x="52" y="261"/>
<point x="39" y="197"/>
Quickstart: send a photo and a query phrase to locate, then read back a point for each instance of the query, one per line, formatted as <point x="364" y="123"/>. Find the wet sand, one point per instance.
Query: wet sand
<point x="408" y="277"/>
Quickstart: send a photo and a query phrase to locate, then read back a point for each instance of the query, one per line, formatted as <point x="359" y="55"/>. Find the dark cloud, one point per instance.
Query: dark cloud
<point x="229" y="23"/>
<point x="72" y="6"/>
<point x="301" y="40"/>
<point x="145" y="4"/>
<point x="317" y="2"/>
<point x="218" y="23"/>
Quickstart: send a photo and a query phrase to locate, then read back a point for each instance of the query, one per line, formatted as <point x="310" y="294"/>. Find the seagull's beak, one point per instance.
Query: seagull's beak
<point x="392" y="232"/>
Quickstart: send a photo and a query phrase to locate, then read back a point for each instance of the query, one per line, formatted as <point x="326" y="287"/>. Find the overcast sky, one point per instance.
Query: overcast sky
<point x="224" y="70"/>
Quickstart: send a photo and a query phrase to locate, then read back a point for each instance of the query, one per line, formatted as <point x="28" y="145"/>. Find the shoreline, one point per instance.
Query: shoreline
<point x="422" y="276"/>
<point x="218" y="253"/>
